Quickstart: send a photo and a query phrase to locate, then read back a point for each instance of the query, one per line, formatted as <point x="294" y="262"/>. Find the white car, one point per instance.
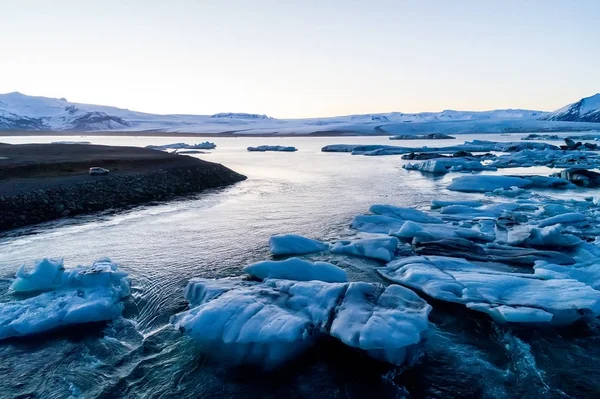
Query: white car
<point x="96" y="171"/>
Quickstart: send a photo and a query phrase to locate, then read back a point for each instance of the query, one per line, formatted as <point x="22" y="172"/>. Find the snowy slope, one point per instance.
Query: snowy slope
<point x="22" y="112"/>
<point x="585" y="110"/>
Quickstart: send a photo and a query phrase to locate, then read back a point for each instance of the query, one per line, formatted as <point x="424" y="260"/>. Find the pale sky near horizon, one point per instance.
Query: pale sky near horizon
<point x="302" y="58"/>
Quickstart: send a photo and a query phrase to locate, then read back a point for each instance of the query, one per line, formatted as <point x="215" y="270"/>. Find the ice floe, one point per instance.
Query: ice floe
<point x="505" y="297"/>
<point x="271" y="322"/>
<point x="73" y="296"/>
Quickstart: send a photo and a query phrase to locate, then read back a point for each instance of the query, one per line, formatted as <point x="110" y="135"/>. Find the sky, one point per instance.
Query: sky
<point x="293" y="59"/>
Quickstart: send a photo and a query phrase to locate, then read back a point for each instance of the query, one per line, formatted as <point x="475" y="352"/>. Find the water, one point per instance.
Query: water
<point x="215" y="234"/>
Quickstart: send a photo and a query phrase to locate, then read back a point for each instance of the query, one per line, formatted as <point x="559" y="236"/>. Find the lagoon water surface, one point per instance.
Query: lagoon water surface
<point x="215" y="234"/>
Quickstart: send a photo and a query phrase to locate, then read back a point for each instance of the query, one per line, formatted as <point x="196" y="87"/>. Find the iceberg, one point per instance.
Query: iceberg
<point x="506" y="297"/>
<point x="430" y="136"/>
<point x="382" y="249"/>
<point x="76" y="296"/>
<point x="297" y="270"/>
<point x="292" y="244"/>
<point x="206" y="145"/>
<point x="280" y="148"/>
<point x="270" y="323"/>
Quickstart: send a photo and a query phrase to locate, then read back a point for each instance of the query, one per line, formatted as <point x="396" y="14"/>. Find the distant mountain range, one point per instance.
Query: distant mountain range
<point x="585" y="110"/>
<point x="29" y="113"/>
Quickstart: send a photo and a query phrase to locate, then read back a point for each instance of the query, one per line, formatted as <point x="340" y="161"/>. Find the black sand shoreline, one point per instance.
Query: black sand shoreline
<point x="41" y="182"/>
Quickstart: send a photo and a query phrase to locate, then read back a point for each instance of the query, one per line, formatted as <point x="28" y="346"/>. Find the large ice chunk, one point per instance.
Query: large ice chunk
<point x="292" y="244"/>
<point x="411" y="214"/>
<point x="387" y="323"/>
<point x="588" y="273"/>
<point x="50" y="274"/>
<point x="506" y="297"/>
<point x="271" y="322"/>
<point x="571" y="218"/>
<point x="76" y="296"/>
<point x="376" y="224"/>
<point x="486" y="183"/>
<point x="549" y="236"/>
<point x="445" y="165"/>
<point x="375" y="248"/>
<point x="433" y="232"/>
<point x="297" y="269"/>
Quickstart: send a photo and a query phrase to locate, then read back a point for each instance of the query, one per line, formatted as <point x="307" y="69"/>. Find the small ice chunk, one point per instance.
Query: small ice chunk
<point x="292" y="244"/>
<point x="376" y="248"/>
<point x="297" y="270"/>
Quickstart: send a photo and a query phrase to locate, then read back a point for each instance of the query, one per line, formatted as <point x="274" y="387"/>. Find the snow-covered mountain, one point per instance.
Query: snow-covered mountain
<point x="585" y="110"/>
<point x="21" y="112"/>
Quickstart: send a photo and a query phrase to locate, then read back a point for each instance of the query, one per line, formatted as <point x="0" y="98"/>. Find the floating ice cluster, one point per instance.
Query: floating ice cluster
<point x="65" y="297"/>
<point x="270" y="322"/>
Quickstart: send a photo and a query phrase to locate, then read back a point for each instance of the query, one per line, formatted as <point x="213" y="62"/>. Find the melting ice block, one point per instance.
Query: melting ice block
<point x="75" y="296"/>
<point x="298" y="270"/>
<point x="506" y="297"/>
<point x="271" y="322"/>
<point x="292" y="244"/>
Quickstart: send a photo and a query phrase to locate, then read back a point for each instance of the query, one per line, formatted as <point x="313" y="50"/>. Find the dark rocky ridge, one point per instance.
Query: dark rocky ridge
<point x="41" y="182"/>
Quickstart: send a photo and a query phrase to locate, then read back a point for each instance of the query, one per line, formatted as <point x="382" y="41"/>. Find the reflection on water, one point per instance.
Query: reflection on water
<point x="215" y="234"/>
